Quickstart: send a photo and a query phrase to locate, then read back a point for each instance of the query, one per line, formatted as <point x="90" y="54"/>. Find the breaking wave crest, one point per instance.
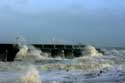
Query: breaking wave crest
<point x="23" y="74"/>
<point x="90" y="51"/>
<point x="29" y="53"/>
<point x="30" y="75"/>
<point x="92" y="65"/>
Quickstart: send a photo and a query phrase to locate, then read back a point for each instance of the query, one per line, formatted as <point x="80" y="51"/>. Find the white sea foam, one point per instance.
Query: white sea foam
<point x="30" y="75"/>
<point x="27" y="74"/>
<point x="92" y="65"/>
<point x="30" y="53"/>
<point x="90" y="51"/>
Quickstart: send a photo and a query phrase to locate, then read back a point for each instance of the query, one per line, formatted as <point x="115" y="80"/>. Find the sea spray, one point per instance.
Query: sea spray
<point x="22" y="52"/>
<point x="30" y="75"/>
<point x="89" y="50"/>
<point x="19" y="73"/>
<point x="30" y="54"/>
<point x="92" y="65"/>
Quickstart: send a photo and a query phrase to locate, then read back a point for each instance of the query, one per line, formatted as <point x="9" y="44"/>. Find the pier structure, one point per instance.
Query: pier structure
<point x="67" y="51"/>
<point x="9" y="51"/>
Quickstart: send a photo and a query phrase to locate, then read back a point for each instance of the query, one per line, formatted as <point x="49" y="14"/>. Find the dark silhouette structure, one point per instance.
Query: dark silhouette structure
<point x="9" y="51"/>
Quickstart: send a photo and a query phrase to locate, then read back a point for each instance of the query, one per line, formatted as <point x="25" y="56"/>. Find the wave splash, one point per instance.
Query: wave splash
<point x="89" y="50"/>
<point x="31" y="75"/>
<point x="93" y="64"/>
<point x="30" y="53"/>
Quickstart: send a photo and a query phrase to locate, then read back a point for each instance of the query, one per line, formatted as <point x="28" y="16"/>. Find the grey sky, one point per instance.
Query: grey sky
<point x="98" y="22"/>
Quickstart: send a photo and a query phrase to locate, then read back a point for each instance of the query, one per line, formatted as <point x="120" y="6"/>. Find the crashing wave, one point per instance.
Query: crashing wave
<point x="30" y="54"/>
<point x="22" y="74"/>
<point x="90" y="51"/>
<point x="31" y="75"/>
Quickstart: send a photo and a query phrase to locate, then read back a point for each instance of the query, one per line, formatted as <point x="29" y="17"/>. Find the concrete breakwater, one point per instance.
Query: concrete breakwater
<point x="9" y="51"/>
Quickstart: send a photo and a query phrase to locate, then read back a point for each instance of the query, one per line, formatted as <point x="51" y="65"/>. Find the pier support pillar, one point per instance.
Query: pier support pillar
<point x="69" y="54"/>
<point x="58" y="53"/>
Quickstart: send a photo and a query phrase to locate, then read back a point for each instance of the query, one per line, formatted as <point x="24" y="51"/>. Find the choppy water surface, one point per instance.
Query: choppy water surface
<point x="37" y="67"/>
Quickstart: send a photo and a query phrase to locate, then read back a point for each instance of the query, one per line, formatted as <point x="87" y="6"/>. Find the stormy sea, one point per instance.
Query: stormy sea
<point x="31" y="65"/>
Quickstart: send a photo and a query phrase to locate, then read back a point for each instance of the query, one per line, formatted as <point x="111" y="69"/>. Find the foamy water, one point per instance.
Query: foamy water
<point x="31" y="65"/>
